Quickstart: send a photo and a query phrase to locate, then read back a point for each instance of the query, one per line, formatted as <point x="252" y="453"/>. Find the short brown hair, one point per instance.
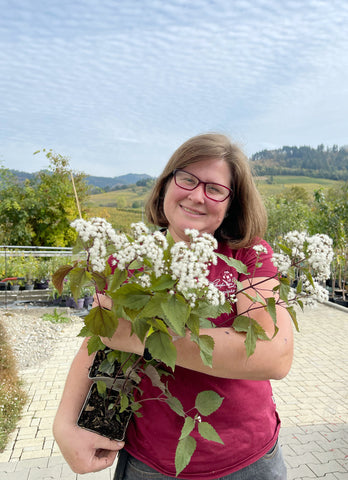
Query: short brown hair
<point x="246" y="218"/>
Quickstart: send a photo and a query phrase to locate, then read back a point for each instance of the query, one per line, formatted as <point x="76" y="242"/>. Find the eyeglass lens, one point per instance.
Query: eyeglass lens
<point x="188" y="181"/>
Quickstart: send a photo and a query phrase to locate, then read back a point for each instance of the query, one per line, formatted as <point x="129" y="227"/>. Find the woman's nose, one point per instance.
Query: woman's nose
<point x="198" y="194"/>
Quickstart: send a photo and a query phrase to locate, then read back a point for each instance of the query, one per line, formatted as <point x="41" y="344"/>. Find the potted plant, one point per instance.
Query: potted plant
<point x="162" y="288"/>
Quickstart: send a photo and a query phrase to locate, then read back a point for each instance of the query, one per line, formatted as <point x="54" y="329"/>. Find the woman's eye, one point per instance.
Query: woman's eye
<point x="213" y="189"/>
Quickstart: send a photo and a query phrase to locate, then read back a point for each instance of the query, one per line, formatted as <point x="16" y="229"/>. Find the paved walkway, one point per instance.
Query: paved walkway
<point x="311" y="400"/>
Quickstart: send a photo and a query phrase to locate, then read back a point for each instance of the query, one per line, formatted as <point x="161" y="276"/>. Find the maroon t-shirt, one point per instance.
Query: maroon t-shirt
<point x="247" y="420"/>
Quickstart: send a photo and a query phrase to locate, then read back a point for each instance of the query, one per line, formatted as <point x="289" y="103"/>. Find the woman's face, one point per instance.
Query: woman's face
<point x="191" y="208"/>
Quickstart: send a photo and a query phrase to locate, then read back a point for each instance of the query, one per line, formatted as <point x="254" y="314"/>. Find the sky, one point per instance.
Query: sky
<point x="117" y="85"/>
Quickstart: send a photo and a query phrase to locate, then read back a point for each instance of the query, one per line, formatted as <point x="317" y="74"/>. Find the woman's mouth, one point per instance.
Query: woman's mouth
<point x="191" y="211"/>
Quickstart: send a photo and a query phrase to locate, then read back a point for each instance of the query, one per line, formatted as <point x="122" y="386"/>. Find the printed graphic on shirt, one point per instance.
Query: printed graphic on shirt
<point x="227" y="283"/>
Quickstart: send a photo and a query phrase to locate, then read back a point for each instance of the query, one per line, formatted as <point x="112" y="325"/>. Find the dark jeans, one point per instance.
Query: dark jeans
<point x="269" y="467"/>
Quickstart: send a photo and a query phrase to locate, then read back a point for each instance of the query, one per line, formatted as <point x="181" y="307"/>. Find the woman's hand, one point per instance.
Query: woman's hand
<point x="85" y="451"/>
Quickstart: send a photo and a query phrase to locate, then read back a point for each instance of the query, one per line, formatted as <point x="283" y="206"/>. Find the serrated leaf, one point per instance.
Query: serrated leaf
<point x="161" y="347"/>
<point x="140" y="328"/>
<point x="100" y="281"/>
<point x="292" y="313"/>
<point x="236" y="264"/>
<point x="250" y="341"/>
<point x="101" y="322"/>
<point x="253" y="332"/>
<point x="193" y="324"/>
<point x="175" y="404"/>
<point x="284" y="289"/>
<point x="271" y="308"/>
<point x="187" y="428"/>
<point x="177" y="311"/>
<point x="84" y="332"/>
<point x="208" y="432"/>
<point x="131" y="295"/>
<point x="94" y="344"/>
<point x="208" y="402"/>
<point x="79" y="277"/>
<point x="116" y="279"/>
<point x="164" y="282"/>
<point x="59" y="276"/>
<point x="124" y="402"/>
<point x="206" y="346"/>
<point x="184" y="452"/>
<point x="155" y="377"/>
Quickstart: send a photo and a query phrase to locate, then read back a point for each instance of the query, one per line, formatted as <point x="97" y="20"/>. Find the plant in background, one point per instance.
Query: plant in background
<point x="162" y="288"/>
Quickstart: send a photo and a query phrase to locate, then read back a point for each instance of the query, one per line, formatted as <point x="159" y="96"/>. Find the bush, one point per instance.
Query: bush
<point x="12" y="397"/>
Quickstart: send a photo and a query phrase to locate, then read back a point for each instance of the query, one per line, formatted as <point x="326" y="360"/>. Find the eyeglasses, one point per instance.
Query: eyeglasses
<point x="213" y="191"/>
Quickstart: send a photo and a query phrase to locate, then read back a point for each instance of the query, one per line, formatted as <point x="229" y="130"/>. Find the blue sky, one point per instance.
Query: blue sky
<point x="117" y="85"/>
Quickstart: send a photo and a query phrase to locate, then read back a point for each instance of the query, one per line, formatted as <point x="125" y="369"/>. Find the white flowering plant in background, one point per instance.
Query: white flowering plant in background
<point x="162" y="288"/>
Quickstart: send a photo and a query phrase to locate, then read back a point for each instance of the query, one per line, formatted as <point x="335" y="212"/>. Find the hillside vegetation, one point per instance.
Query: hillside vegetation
<point x="320" y="162"/>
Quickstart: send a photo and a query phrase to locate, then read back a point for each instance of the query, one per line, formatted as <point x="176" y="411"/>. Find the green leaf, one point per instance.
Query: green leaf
<point x="84" y="332"/>
<point x="208" y="432"/>
<point x="101" y="322"/>
<point x="187" y="428"/>
<point x="250" y="341"/>
<point x="140" y="328"/>
<point x="164" y="282"/>
<point x="309" y="277"/>
<point x="175" y="404"/>
<point x="232" y="262"/>
<point x="101" y="387"/>
<point x="99" y="280"/>
<point x="208" y="402"/>
<point x="161" y="347"/>
<point x="79" y="277"/>
<point x="285" y="249"/>
<point x="206" y="345"/>
<point x="116" y="280"/>
<point x="253" y="332"/>
<point x="158" y="324"/>
<point x="284" y="289"/>
<point x="131" y="295"/>
<point x="184" y="452"/>
<point x="271" y="308"/>
<point x="124" y="402"/>
<point x="177" y="311"/>
<point x="94" y="344"/>
<point x="193" y="324"/>
<point x="153" y="307"/>
<point x="292" y="313"/>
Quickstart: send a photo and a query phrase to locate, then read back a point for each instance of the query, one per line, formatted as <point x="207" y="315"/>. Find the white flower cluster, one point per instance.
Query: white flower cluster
<point x="320" y="255"/>
<point x="145" y="245"/>
<point x="97" y="234"/>
<point x="313" y="253"/>
<point x="260" y="249"/>
<point x="190" y="266"/>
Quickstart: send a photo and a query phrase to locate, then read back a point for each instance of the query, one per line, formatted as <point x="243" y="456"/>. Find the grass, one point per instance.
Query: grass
<point x="55" y="317"/>
<point x="12" y="396"/>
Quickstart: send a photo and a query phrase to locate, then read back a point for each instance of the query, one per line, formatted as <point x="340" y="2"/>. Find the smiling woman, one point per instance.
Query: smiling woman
<point x="194" y="192"/>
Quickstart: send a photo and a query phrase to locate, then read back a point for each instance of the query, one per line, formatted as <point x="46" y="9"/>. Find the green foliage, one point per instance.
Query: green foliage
<point x="320" y="162"/>
<point x="12" y="395"/>
<point x="39" y="210"/>
<point x="55" y="317"/>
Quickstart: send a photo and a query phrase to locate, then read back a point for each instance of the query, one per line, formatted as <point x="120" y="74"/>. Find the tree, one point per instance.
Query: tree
<point x="57" y="206"/>
<point x="39" y="211"/>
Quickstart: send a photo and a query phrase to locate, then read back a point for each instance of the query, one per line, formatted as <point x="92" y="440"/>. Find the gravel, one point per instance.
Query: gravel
<point x="31" y="337"/>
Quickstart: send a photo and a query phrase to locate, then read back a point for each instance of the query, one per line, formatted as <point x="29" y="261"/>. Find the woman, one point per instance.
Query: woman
<point x="206" y="185"/>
